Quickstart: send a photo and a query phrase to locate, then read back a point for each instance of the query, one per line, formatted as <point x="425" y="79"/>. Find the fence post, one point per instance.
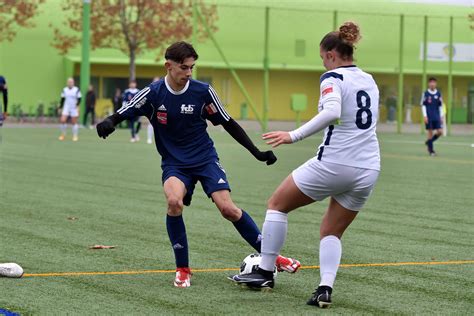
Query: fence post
<point x="424" y="76"/>
<point x="266" y="71"/>
<point x="400" y="78"/>
<point x="450" y="77"/>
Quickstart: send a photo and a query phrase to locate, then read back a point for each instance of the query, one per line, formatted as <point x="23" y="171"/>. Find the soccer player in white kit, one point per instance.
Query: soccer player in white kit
<point x="70" y="100"/>
<point x="345" y="168"/>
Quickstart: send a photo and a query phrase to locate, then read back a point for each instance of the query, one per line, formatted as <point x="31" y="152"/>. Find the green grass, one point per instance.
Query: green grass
<point x="421" y="210"/>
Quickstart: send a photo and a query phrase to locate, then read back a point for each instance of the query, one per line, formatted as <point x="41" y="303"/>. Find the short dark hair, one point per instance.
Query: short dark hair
<point x="432" y="79"/>
<point x="179" y="51"/>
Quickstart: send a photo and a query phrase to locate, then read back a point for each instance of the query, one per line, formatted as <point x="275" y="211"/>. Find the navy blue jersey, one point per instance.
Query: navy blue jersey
<point x="433" y="102"/>
<point x="129" y="94"/>
<point x="179" y="120"/>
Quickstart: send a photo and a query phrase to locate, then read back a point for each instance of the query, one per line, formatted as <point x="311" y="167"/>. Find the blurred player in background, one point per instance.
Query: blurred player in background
<point x="4" y="108"/>
<point x="70" y="100"/>
<point x="432" y="108"/>
<point x="178" y="107"/>
<point x="127" y="97"/>
<point x="117" y="99"/>
<point x="90" y="106"/>
<point x="345" y="168"/>
<point x="149" y="130"/>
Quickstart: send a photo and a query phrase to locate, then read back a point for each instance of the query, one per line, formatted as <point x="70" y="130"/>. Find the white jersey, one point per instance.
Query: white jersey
<point x="352" y="141"/>
<point x="71" y="97"/>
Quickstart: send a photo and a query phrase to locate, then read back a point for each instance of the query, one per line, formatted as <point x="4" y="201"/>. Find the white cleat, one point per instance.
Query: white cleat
<point x="10" y="270"/>
<point x="149" y="141"/>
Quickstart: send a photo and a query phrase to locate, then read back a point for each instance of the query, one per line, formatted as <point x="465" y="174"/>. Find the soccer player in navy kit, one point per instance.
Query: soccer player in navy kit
<point x="4" y="91"/>
<point x="178" y="108"/>
<point x="432" y="107"/>
<point x="127" y="97"/>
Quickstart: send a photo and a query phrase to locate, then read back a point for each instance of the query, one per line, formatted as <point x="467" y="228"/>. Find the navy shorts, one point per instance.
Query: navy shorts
<point x="433" y="124"/>
<point x="211" y="175"/>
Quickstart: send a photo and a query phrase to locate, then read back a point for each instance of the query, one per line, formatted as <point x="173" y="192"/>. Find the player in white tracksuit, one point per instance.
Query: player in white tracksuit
<point x="346" y="166"/>
<point x="70" y="100"/>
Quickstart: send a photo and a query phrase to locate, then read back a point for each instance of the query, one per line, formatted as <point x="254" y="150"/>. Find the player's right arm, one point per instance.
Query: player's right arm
<point x="138" y="106"/>
<point x="331" y="102"/>
<point x="423" y="108"/>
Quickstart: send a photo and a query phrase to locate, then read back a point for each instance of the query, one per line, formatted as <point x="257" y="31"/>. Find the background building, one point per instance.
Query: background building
<point x="36" y="72"/>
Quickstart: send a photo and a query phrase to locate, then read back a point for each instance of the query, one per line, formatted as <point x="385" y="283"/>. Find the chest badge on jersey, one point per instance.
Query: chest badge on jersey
<point x="162" y="115"/>
<point x="187" y="109"/>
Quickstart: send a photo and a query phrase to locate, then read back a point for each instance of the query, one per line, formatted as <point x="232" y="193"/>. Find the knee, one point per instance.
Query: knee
<point x="175" y="206"/>
<point x="230" y="212"/>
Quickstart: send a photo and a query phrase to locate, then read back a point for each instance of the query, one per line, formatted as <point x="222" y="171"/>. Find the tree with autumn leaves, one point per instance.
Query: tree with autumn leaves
<point x="14" y="14"/>
<point x="132" y="26"/>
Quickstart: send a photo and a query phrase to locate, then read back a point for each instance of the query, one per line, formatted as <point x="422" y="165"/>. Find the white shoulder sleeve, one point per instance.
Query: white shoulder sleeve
<point x="330" y="102"/>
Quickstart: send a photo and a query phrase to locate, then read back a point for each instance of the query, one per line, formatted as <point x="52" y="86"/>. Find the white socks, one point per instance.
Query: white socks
<point x="63" y="128"/>
<point x="330" y="252"/>
<point x="75" y="130"/>
<point x="274" y="232"/>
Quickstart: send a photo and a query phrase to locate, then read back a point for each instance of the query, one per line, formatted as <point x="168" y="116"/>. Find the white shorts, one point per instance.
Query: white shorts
<point x="349" y="186"/>
<point x="70" y="111"/>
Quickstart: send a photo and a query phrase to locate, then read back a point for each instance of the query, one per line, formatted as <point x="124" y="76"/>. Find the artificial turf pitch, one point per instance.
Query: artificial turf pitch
<point x="59" y="198"/>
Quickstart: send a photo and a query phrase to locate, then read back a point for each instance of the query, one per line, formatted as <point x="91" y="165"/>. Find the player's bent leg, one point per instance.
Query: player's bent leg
<point x="175" y="191"/>
<point x="288" y="197"/>
<point x="241" y="220"/>
<point x="226" y="206"/>
<point x="285" y="198"/>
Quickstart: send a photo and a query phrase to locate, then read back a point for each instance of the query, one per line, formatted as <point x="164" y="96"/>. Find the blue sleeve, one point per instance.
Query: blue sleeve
<point x="140" y="105"/>
<point x="213" y="109"/>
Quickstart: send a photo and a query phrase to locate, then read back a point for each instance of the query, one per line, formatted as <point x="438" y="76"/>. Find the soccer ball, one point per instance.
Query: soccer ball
<point x="11" y="270"/>
<point x="250" y="264"/>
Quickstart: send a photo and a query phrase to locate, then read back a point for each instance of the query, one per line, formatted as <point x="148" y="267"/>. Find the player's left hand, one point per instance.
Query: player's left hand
<point x="267" y="156"/>
<point x="105" y="128"/>
<point x="277" y="138"/>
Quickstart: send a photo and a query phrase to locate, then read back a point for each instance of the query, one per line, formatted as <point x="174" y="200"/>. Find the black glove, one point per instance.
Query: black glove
<point x="105" y="128"/>
<point x="266" y="156"/>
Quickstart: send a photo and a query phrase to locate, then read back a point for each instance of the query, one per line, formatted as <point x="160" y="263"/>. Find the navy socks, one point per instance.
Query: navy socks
<point x="249" y="231"/>
<point x="179" y="241"/>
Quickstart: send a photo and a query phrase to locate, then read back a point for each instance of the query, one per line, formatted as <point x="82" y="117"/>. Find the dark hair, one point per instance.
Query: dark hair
<point x="343" y="40"/>
<point x="432" y="79"/>
<point x="179" y="51"/>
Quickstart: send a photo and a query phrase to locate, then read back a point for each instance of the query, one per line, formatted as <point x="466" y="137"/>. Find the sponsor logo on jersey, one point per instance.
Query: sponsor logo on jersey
<point x="162" y="117"/>
<point x="140" y="104"/>
<point x="327" y="90"/>
<point x="221" y="181"/>
<point x="211" y="109"/>
<point x="162" y="108"/>
<point x="187" y="109"/>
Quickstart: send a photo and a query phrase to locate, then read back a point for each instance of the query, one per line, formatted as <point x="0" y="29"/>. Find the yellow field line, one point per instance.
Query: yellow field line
<point x="350" y="265"/>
